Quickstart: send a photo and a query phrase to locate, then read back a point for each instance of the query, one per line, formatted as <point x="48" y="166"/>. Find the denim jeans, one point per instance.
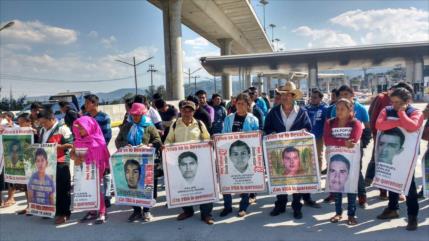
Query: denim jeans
<point x="107" y="182"/>
<point x="412" y="202"/>
<point x="351" y="203"/>
<point x="206" y="210"/>
<point x="370" y="170"/>
<point x="244" y="202"/>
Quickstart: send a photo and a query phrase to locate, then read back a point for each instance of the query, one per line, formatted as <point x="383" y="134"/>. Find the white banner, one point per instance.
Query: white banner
<point x="396" y="154"/>
<point x="86" y="188"/>
<point x="343" y="169"/>
<point x="291" y="162"/>
<point x="190" y="175"/>
<point x="240" y="163"/>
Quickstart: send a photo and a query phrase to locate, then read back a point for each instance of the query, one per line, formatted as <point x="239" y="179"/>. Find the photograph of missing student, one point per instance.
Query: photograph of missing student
<point x="291" y="162"/>
<point x="133" y="176"/>
<point x="396" y="154"/>
<point x="239" y="161"/>
<point x="190" y="175"/>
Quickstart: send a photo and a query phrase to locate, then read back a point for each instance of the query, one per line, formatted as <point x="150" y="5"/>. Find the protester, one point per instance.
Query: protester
<point x="360" y="114"/>
<point x="377" y="105"/>
<point x="316" y="110"/>
<point x="187" y="128"/>
<point x="54" y="132"/>
<point x="140" y="132"/>
<point x="202" y="102"/>
<point x="425" y="136"/>
<point x="200" y="113"/>
<point x="151" y="112"/>
<point x="401" y="114"/>
<point x="104" y="121"/>
<point x="266" y="99"/>
<point x="283" y="118"/>
<point x="230" y="107"/>
<point x="70" y="115"/>
<point x="219" y="114"/>
<point x="259" y="101"/>
<point x="88" y="135"/>
<point x="344" y="118"/>
<point x="241" y="121"/>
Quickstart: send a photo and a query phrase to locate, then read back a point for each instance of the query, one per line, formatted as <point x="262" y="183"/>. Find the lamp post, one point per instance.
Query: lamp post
<point x="189" y="73"/>
<point x="264" y="3"/>
<point x="135" y="65"/>
<point x="8" y="25"/>
<point x="272" y="26"/>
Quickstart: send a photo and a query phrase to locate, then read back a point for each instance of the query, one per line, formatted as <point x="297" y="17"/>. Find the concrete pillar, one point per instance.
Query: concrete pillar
<point x="225" y="49"/>
<point x="267" y="84"/>
<point x="312" y="75"/>
<point x="248" y="81"/>
<point x="409" y="70"/>
<point x="418" y="77"/>
<point x="172" y="10"/>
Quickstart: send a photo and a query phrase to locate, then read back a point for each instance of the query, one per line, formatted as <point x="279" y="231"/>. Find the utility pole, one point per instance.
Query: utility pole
<point x="135" y="69"/>
<point x="195" y="83"/>
<point x="151" y="70"/>
<point x="189" y="73"/>
<point x="264" y="3"/>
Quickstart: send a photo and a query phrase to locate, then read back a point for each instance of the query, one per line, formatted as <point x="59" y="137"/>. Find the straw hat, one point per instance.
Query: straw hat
<point x="290" y="87"/>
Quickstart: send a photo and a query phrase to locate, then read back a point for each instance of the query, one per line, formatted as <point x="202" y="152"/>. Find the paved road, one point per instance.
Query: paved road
<point x="257" y="225"/>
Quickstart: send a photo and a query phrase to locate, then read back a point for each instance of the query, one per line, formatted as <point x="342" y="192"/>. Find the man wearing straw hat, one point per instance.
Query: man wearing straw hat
<point x="288" y="116"/>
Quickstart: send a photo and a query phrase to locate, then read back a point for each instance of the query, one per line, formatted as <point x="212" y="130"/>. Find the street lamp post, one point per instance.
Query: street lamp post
<point x="264" y="3"/>
<point x="8" y="25"/>
<point x="272" y="26"/>
<point x="277" y="41"/>
<point x="135" y="69"/>
<point x="189" y="73"/>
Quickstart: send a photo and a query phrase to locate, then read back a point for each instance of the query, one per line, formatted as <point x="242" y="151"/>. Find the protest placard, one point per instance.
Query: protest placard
<point x="41" y="172"/>
<point x="291" y="163"/>
<point x="239" y="162"/>
<point x="133" y="176"/>
<point x="190" y="175"/>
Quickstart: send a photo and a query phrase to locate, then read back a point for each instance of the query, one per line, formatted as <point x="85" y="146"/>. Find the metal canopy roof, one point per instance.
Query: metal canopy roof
<point x="326" y="59"/>
<point x="218" y="19"/>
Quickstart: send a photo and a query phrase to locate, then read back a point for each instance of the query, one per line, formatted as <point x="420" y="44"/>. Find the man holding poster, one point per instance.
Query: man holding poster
<point x="243" y="173"/>
<point x="284" y="118"/>
<point x="185" y="129"/>
<point x="405" y="118"/>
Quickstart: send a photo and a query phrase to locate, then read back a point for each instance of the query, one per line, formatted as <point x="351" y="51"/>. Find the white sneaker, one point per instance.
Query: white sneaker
<point x="147" y="217"/>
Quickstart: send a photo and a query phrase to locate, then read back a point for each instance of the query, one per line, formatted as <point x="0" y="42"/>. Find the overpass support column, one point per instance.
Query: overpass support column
<point x="312" y="75"/>
<point x="225" y="49"/>
<point x="267" y="84"/>
<point x="171" y="13"/>
<point x="418" y="77"/>
<point x="409" y="71"/>
<point x="248" y="81"/>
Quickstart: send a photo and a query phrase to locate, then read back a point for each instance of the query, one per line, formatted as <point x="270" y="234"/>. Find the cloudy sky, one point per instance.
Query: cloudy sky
<point x="56" y="46"/>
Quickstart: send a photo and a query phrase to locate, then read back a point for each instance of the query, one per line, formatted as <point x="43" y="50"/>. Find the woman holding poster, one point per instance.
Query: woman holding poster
<point x="343" y="130"/>
<point x="88" y="135"/>
<point x="239" y="152"/>
<point x="390" y="143"/>
<point x="141" y="131"/>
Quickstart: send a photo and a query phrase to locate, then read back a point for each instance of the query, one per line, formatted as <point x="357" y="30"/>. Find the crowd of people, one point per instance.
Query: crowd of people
<point x="156" y="123"/>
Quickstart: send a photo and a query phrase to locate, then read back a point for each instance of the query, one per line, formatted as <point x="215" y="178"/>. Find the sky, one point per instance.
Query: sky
<point x="56" y="46"/>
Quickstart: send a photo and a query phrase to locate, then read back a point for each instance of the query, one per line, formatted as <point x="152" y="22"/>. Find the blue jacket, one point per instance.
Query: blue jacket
<point x="262" y="106"/>
<point x="274" y="121"/>
<point x="317" y="116"/>
<point x="251" y="123"/>
<point x="219" y="117"/>
<point x="360" y="112"/>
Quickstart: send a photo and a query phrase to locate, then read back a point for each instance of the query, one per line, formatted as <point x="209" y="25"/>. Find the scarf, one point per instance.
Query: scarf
<point x="136" y="133"/>
<point x="94" y="141"/>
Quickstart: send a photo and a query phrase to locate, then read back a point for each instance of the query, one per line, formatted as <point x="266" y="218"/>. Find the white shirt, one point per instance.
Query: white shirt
<point x="154" y="115"/>
<point x="47" y="133"/>
<point x="288" y="120"/>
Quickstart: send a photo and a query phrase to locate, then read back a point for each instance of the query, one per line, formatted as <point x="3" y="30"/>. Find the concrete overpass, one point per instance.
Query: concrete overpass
<point x="232" y="25"/>
<point x="412" y="55"/>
